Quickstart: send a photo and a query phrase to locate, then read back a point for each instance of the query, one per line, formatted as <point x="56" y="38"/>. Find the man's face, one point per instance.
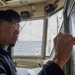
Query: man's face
<point x="9" y="32"/>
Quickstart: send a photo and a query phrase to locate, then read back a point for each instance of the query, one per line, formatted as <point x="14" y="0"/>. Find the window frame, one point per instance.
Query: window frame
<point x="44" y="38"/>
<point x="57" y="29"/>
<point x="43" y="42"/>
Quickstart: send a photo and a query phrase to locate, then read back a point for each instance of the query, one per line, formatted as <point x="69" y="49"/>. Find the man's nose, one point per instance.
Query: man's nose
<point x="16" y="30"/>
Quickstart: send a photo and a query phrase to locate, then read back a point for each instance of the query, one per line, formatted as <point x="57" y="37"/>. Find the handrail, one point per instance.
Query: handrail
<point x="3" y="4"/>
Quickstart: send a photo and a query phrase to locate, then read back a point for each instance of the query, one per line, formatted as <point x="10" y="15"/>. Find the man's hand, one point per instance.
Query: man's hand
<point x="63" y="44"/>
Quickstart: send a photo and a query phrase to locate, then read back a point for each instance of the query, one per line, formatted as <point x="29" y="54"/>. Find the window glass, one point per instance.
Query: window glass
<point x="30" y="39"/>
<point x="54" y="24"/>
<point x="59" y="19"/>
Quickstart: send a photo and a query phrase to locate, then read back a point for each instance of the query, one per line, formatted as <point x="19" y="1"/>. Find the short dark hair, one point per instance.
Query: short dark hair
<point x="8" y="15"/>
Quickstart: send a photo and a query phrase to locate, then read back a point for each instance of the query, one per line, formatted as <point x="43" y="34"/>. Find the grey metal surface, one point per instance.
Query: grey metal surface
<point x="72" y="31"/>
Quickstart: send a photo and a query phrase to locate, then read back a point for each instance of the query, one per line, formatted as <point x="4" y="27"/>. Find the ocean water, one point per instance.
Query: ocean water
<point x="26" y="48"/>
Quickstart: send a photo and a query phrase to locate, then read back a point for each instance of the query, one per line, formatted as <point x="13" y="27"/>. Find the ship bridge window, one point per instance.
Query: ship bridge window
<point x="54" y="25"/>
<point x="30" y="39"/>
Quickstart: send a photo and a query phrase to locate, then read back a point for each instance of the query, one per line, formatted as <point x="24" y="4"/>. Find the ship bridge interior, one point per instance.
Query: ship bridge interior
<point x="41" y="21"/>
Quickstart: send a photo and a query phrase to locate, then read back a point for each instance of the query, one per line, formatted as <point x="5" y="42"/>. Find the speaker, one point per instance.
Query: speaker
<point x="25" y="14"/>
<point x="49" y="8"/>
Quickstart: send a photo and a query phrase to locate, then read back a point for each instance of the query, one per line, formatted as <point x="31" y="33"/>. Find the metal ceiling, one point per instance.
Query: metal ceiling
<point x="13" y="3"/>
